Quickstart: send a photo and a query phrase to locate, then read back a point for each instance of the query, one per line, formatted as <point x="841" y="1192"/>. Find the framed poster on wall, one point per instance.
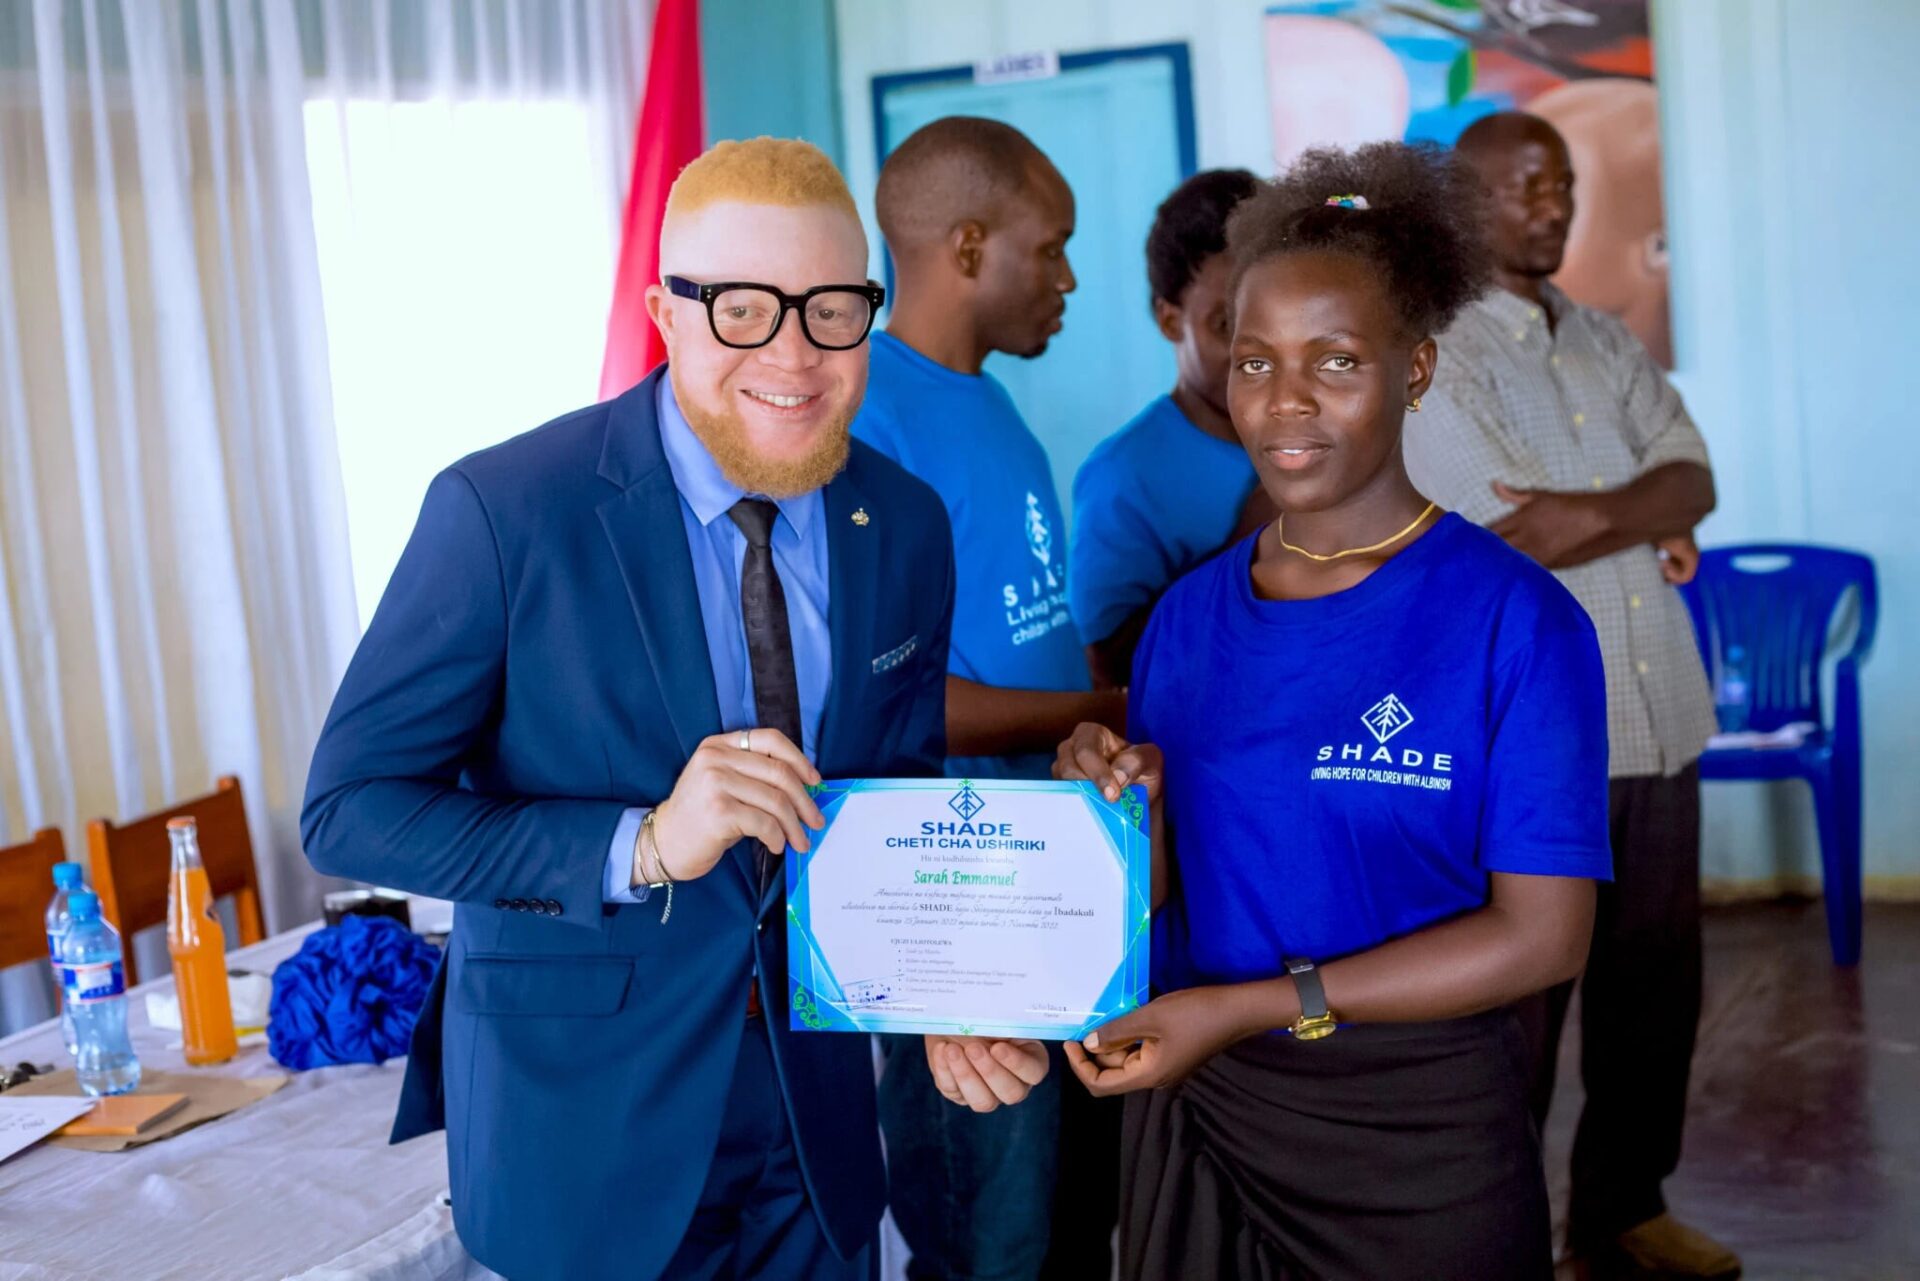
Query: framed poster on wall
<point x="1343" y="72"/>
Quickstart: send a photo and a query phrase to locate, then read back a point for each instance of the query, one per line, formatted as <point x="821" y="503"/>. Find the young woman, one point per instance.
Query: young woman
<point x="1375" y="741"/>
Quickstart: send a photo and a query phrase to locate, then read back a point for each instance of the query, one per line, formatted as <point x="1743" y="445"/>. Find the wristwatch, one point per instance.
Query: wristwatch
<point x="1315" y="1020"/>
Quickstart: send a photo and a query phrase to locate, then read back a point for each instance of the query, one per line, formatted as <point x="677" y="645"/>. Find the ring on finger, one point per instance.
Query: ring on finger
<point x="746" y="740"/>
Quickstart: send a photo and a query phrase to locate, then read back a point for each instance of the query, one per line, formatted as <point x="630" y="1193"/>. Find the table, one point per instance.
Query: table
<point x="299" y="1185"/>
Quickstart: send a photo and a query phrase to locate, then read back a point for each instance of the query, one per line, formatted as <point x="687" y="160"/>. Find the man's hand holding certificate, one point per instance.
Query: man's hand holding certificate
<point x="960" y="908"/>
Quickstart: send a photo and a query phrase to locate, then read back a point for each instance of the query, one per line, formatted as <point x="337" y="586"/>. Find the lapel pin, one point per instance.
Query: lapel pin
<point x="861" y="518"/>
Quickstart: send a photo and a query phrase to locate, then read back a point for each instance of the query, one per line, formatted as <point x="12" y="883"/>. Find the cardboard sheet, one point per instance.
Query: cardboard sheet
<point x="208" y="1098"/>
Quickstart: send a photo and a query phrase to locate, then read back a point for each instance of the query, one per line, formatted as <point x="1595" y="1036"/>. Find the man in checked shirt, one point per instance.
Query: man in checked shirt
<point x="1550" y="424"/>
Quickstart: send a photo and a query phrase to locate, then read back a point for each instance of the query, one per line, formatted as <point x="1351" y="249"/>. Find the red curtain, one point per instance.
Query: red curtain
<point x="667" y="139"/>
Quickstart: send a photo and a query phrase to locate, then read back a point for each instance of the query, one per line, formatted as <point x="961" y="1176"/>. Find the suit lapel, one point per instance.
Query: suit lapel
<point x="853" y="577"/>
<point x="649" y="541"/>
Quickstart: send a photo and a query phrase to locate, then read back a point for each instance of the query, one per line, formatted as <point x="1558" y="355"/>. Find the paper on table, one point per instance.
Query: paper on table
<point x="429" y="915"/>
<point x="209" y="1096"/>
<point x="250" y="996"/>
<point x="26" y="1121"/>
<point x="163" y="1011"/>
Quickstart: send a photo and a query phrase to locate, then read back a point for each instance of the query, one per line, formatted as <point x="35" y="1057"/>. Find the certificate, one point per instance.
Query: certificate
<point x="1014" y="909"/>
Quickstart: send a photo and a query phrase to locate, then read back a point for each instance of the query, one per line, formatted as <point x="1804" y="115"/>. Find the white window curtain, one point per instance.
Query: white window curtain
<point x="468" y="166"/>
<point x="176" y="594"/>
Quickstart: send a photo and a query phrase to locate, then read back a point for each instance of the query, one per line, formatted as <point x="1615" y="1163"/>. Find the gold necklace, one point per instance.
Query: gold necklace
<point x="1279" y="531"/>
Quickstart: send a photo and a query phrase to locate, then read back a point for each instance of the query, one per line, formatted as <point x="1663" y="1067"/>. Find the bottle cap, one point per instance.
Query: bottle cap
<point x="68" y="876"/>
<point x="84" y="906"/>
<point x="181" y="824"/>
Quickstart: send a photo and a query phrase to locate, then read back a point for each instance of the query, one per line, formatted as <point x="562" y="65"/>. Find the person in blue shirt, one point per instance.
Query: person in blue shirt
<point x="977" y="220"/>
<point x="1170" y="488"/>
<point x="1374" y="742"/>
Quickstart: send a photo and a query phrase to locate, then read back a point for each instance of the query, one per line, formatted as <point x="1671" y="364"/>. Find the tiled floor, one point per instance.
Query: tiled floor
<point x="1803" y="1134"/>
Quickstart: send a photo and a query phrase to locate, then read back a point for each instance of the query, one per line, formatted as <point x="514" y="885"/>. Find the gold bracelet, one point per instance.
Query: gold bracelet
<point x="651" y="835"/>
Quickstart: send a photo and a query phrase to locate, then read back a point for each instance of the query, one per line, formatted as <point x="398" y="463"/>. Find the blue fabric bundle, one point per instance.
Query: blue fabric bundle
<point x="351" y="994"/>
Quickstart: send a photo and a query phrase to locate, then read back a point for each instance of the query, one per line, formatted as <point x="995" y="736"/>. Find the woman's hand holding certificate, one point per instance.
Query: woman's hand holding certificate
<point x="1166" y="1040"/>
<point x="1110" y="762"/>
<point x="1162" y="1042"/>
<point x="1100" y="756"/>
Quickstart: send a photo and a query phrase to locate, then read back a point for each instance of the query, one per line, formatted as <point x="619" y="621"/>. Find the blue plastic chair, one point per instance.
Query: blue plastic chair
<point x="1777" y="601"/>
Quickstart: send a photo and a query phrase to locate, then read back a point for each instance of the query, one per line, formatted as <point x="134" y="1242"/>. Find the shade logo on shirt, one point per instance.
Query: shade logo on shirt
<point x="1386" y="718"/>
<point x="1405" y="766"/>
<point x="1042" y="607"/>
<point x="1040" y="538"/>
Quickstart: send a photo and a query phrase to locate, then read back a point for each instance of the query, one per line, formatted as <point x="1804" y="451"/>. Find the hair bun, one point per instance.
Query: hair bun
<point x="1422" y="230"/>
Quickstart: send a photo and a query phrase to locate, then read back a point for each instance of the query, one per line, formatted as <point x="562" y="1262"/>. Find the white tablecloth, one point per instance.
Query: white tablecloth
<point x="301" y="1184"/>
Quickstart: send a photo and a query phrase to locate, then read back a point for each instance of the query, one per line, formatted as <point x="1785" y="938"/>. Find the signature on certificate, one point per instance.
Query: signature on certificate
<point x="868" y="992"/>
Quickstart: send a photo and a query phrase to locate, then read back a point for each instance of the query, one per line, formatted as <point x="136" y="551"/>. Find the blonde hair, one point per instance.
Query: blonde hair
<point x="760" y="171"/>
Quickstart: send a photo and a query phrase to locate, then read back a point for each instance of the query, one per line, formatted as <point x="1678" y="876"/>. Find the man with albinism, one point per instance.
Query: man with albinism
<point x="614" y="657"/>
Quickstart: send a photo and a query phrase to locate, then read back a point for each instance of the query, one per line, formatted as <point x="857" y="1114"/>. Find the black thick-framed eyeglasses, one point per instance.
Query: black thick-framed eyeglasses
<point x="746" y="313"/>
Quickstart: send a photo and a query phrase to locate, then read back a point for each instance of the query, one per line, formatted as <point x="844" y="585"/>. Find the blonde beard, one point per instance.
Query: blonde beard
<point x="725" y="436"/>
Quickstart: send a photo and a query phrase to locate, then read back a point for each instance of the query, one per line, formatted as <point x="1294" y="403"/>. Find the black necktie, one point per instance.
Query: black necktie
<point x="763" y="606"/>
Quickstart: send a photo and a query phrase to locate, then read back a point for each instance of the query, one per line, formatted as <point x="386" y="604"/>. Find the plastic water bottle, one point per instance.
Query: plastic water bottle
<point x="66" y="879"/>
<point x="1734" y="699"/>
<point x="95" y="989"/>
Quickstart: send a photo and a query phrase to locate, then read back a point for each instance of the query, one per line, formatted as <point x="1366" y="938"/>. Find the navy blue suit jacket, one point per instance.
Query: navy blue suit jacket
<point x="537" y="665"/>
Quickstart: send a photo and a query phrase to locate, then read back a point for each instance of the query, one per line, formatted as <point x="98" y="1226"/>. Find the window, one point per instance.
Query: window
<point x="466" y="263"/>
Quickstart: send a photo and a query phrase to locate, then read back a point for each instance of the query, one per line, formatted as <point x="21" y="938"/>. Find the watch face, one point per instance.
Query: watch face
<point x="1314" y="1028"/>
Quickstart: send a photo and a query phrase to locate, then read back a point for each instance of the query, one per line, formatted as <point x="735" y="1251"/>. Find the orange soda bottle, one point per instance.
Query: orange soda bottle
<point x="199" y="949"/>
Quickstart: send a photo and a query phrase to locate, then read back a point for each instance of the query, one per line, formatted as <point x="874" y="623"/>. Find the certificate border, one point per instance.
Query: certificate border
<point x="815" y="998"/>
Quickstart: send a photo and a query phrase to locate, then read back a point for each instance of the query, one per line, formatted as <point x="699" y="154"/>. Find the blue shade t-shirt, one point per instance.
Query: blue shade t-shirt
<point x="1346" y="770"/>
<point x="961" y="434"/>
<point x="1152" y="501"/>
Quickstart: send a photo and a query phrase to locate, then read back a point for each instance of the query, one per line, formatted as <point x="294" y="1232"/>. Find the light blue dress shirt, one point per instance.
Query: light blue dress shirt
<point x="719" y="550"/>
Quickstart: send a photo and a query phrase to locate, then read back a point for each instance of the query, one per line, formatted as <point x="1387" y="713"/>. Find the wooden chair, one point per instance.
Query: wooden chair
<point x="131" y="864"/>
<point x="26" y="883"/>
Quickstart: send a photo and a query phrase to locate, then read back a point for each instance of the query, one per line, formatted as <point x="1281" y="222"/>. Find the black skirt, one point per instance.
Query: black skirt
<point x="1384" y="1151"/>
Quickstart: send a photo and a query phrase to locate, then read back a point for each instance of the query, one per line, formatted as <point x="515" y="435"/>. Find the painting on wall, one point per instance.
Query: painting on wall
<point x="1343" y="72"/>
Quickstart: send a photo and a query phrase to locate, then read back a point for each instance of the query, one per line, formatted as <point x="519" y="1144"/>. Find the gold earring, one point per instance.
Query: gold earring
<point x="1413" y="406"/>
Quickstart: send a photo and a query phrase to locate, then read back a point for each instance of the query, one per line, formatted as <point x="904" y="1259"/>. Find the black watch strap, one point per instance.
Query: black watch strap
<point x="1306" y="981"/>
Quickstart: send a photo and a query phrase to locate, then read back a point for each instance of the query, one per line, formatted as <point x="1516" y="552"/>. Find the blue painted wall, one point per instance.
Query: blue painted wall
<point x="769" y="67"/>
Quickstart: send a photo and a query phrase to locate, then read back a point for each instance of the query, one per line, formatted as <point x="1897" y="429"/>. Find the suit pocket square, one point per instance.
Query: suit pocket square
<point x="896" y="656"/>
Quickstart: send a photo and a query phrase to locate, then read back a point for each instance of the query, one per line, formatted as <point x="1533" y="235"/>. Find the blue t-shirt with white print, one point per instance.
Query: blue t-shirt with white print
<point x="1346" y="770"/>
<point x="961" y="434"/>
<point x="1152" y="501"/>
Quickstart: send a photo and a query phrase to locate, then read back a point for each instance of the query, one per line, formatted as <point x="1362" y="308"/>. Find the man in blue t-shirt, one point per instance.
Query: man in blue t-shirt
<point x="1171" y="487"/>
<point x="977" y="220"/>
